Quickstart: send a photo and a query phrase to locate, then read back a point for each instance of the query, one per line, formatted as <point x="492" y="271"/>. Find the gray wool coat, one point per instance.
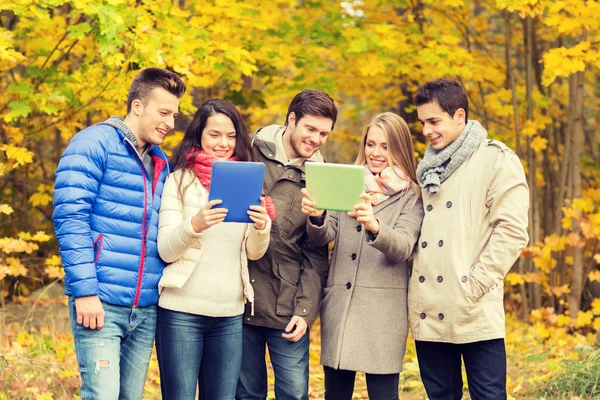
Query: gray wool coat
<point x="364" y="322"/>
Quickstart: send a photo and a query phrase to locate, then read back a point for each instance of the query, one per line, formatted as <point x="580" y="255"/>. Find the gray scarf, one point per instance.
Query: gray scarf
<point x="438" y="165"/>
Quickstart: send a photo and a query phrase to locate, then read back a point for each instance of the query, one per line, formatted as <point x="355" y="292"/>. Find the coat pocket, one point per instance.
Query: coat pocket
<point x="98" y="247"/>
<point x="470" y="216"/>
<point x="289" y="275"/>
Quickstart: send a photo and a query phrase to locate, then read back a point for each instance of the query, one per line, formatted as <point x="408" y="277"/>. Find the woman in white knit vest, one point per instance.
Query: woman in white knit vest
<point x="203" y="290"/>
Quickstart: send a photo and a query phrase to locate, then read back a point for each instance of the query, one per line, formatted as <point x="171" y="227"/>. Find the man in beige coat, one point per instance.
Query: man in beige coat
<point x="476" y="201"/>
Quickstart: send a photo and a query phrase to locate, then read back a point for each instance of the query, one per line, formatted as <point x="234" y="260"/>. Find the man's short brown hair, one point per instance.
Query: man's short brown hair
<point x="313" y="102"/>
<point x="150" y="78"/>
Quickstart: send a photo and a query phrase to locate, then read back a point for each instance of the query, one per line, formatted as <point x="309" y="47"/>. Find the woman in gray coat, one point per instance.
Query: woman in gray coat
<point x="364" y="321"/>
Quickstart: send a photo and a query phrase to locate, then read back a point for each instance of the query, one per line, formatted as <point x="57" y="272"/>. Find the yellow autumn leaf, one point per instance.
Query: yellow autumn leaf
<point x="53" y="260"/>
<point x="6" y="209"/>
<point x="536" y="315"/>
<point x="514" y="279"/>
<point x="584" y="319"/>
<point x="40" y="199"/>
<point x="4" y="270"/>
<point x="538" y="144"/>
<point x="16" y="268"/>
<point x="585" y="205"/>
<point x="20" y="155"/>
<point x="594" y="276"/>
<point x="40" y="236"/>
<point x="596" y="306"/>
<point x="44" y="396"/>
<point x="54" y="272"/>
<point x="563" y="320"/>
<point x="569" y="260"/>
<point x="560" y="290"/>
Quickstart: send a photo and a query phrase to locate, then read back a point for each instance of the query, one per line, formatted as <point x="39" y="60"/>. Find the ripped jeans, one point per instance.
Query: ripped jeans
<point x="113" y="362"/>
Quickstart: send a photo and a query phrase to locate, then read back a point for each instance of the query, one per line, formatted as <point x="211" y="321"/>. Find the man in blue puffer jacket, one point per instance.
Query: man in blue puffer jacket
<point x="107" y="194"/>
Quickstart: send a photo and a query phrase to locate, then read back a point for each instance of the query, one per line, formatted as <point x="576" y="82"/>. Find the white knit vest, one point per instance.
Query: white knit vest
<point x="215" y="286"/>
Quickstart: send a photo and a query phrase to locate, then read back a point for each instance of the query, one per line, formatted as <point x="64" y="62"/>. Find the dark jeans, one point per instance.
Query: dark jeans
<point x="339" y="385"/>
<point x="289" y="360"/>
<point x="184" y="341"/>
<point x="485" y="363"/>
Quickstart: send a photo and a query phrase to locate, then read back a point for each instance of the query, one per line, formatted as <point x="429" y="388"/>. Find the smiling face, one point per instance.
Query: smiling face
<point x="439" y="127"/>
<point x="376" y="149"/>
<point x="219" y="137"/>
<point x="305" y="137"/>
<point x="156" y="117"/>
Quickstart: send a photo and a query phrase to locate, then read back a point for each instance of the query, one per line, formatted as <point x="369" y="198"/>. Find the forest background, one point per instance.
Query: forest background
<point x="530" y="68"/>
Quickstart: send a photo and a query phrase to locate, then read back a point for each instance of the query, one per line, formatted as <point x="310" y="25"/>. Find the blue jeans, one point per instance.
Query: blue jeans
<point x="113" y="361"/>
<point x="289" y="360"/>
<point x="485" y="363"/>
<point x="186" y="341"/>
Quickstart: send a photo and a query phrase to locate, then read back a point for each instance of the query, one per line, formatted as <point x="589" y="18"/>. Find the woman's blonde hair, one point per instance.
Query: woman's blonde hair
<point x="400" y="152"/>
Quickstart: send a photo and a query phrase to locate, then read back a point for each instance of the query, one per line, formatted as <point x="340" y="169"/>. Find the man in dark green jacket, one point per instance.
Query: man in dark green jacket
<point x="289" y="278"/>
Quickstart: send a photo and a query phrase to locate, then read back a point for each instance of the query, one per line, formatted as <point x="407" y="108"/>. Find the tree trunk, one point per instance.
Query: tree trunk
<point x="510" y="77"/>
<point x="534" y="231"/>
<point x="577" y="138"/>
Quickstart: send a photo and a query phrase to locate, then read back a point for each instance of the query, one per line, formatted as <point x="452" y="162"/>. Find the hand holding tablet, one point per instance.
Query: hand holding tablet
<point x="208" y="216"/>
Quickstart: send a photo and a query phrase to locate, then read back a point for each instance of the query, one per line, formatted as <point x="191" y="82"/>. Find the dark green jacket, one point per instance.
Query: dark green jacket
<point x="288" y="280"/>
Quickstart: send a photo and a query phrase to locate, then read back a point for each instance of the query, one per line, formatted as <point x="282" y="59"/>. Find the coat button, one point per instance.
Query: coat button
<point x="348" y="285"/>
<point x="448" y="204"/>
<point x="424" y="244"/>
<point x="440" y="279"/>
<point x="304" y="310"/>
<point x="353" y="256"/>
<point x="422" y="315"/>
<point x="441" y="316"/>
<point x="421" y="279"/>
<point x="252" y="281"/>
<point x="464" y="279"/>
<point x="358" y="228"/>
<point x="441" y="243"/>
<point x="429" y="207"/>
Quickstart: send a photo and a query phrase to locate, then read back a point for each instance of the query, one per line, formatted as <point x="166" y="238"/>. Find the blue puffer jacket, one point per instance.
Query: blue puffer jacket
<point x="106" y="218"/>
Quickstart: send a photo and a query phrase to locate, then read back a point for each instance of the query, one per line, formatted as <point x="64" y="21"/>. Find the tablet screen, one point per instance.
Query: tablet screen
<point x="335" y="187"/>
<point x="238" y="184"/>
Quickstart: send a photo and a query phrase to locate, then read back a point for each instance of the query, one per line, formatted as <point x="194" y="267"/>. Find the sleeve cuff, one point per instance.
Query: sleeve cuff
<point x="189" y="229"/>
<point x="318" y="221"/>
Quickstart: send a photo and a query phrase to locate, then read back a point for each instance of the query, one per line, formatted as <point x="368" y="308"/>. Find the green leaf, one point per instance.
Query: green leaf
<point x="18" y="109"/>
<point x="23" y="89"/>
<point x="79" y="31"/>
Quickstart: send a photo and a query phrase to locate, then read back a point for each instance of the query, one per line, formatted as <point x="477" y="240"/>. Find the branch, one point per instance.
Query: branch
<point x="78" y="109"/>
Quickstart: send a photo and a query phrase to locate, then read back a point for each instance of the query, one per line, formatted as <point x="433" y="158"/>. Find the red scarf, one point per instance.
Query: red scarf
<point x="202" y="164"/>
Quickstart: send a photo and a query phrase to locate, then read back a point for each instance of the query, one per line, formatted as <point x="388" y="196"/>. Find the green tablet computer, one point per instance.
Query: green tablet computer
<point x="335" y="187"/>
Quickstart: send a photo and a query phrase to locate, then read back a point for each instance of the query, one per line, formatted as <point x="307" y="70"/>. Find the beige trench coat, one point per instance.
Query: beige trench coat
<point x="364" y="315"/>
<point x="473" y="231"/>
